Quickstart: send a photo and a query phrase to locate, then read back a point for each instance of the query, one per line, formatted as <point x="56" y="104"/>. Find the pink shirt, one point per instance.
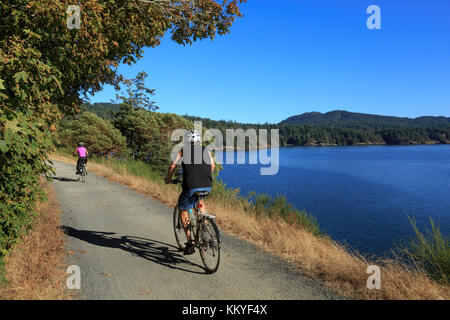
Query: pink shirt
<point x="82" y="152"/>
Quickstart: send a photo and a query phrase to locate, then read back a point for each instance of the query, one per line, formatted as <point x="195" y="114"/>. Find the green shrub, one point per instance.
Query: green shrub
<point x="431" y="250"/>
<point x="23" y="147"/>
<point x="148" y="134"/>
<point x="279" y="207"/>
<point x="99" y="135"/>
<point x="225" y="195"/>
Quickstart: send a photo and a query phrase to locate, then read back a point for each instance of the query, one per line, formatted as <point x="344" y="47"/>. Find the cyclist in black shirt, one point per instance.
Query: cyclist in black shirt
<point x="197" y="176"/>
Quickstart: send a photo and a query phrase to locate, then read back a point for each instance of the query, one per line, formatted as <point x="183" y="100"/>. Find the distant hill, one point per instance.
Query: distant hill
<point x="345" y="119"/>
<point x="335" y="128"/>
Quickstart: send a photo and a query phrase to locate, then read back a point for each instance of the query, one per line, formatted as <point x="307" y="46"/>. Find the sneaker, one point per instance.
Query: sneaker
<point x="190" y="248"/>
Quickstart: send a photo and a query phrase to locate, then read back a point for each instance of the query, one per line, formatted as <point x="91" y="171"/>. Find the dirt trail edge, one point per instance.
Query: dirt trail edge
<point x="123" y="243"/>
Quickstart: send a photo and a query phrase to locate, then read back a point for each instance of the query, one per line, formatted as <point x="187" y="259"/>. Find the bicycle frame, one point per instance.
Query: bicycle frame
<point x="83" y="173"/>
<point x="198" y="223"/>
<point x="204" y="232"/>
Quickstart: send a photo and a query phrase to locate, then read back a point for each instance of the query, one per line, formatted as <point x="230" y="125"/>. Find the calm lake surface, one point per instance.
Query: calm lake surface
<point x="360" y="195"/>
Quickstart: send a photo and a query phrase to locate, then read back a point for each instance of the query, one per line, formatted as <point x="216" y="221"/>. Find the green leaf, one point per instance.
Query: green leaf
<point x="12" y="125"/>
<point x="3" y="146"/>
<point x="2" y="87"/>
<point x="22" y="75"/>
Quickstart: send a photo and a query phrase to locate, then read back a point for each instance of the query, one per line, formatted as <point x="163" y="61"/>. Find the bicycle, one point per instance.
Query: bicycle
<point x="82" y="175"/>
<point x="204" y="232"/>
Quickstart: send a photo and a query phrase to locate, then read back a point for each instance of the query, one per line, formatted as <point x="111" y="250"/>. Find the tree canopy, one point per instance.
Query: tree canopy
<point x="99" y="135"/>
<point x="41" y="54"/>
<point x="148" y="134"/>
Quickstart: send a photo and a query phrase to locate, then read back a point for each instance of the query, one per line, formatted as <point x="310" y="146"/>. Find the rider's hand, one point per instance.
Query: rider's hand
<point x="167" y="180"/>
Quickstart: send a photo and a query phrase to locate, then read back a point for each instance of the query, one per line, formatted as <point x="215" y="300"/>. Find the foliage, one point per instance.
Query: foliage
<point x="431" y="250"/>
<point x="112" y="32"/>
<point x="98" y="135"/>
<point x="23" y="146"/>
<point x="138" y="95"/>
<point x="148" y="134"/>
<point x="279" y="207"/>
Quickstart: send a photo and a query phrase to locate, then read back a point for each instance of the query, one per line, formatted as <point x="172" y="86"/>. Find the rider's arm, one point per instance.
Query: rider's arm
<point x="213" y="165"/>
<point x="173" y="165"/>
<point x="75" y="152"/>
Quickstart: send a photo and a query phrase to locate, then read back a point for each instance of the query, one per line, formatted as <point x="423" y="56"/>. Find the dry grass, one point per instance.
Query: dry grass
<point x="319" y="258"/>
<point x="35" y="266"/>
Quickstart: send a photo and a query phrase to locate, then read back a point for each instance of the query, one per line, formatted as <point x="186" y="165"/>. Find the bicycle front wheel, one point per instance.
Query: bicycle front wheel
<point x="180" y="235"/>
<point x="209" y="245"/>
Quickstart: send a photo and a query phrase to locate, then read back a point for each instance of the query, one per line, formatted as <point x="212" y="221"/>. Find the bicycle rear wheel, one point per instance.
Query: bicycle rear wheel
<point x="180" y="235"/>
<point x="209" y="245"/>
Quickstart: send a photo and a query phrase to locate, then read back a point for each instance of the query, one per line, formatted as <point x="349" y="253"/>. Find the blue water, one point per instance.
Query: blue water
<point x="360" y="196"/>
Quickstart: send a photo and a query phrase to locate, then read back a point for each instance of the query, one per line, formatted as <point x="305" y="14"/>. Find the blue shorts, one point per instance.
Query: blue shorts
<point x="187" y="198"/>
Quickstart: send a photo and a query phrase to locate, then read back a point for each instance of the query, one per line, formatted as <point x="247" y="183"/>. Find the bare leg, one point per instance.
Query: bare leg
<point x="186" y="223"/>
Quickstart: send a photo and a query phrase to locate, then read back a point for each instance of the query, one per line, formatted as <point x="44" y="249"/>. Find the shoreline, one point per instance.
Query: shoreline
<point x="226" y="149"/>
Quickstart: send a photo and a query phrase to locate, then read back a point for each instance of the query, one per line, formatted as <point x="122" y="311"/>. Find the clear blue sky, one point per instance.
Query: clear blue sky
<point x="287" y="57"/>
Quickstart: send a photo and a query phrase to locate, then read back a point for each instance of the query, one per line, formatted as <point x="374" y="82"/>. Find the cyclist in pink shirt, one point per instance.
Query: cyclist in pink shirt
<point x="82" y="156"/>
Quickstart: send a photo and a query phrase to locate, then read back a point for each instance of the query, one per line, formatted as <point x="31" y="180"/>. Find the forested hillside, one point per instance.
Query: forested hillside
<point x="360" y="120"/>
<point x="339" y="128"/>
<point x="346" y="128"/>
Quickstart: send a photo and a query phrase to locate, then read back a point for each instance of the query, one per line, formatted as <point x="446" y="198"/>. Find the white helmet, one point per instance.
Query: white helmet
<point x="193" y="136"/>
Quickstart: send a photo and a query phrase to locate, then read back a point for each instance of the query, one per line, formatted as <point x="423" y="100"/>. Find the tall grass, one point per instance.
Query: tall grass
<point x="35" y="265"/>
<point x="131" y="166"/>
<point x="431" y="251"/>
<point x="279" y="207"/>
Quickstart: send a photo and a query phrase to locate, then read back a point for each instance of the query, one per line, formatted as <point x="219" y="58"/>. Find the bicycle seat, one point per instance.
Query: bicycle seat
<point x="202" y="194"/>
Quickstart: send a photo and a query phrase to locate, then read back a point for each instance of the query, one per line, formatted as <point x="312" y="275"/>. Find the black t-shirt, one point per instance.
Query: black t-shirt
<point x="196" y="172"/>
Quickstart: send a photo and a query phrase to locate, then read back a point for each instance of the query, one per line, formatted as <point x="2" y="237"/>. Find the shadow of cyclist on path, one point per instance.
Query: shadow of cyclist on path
<point x="63" y="179"/>
<point x="152" y="250"/>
